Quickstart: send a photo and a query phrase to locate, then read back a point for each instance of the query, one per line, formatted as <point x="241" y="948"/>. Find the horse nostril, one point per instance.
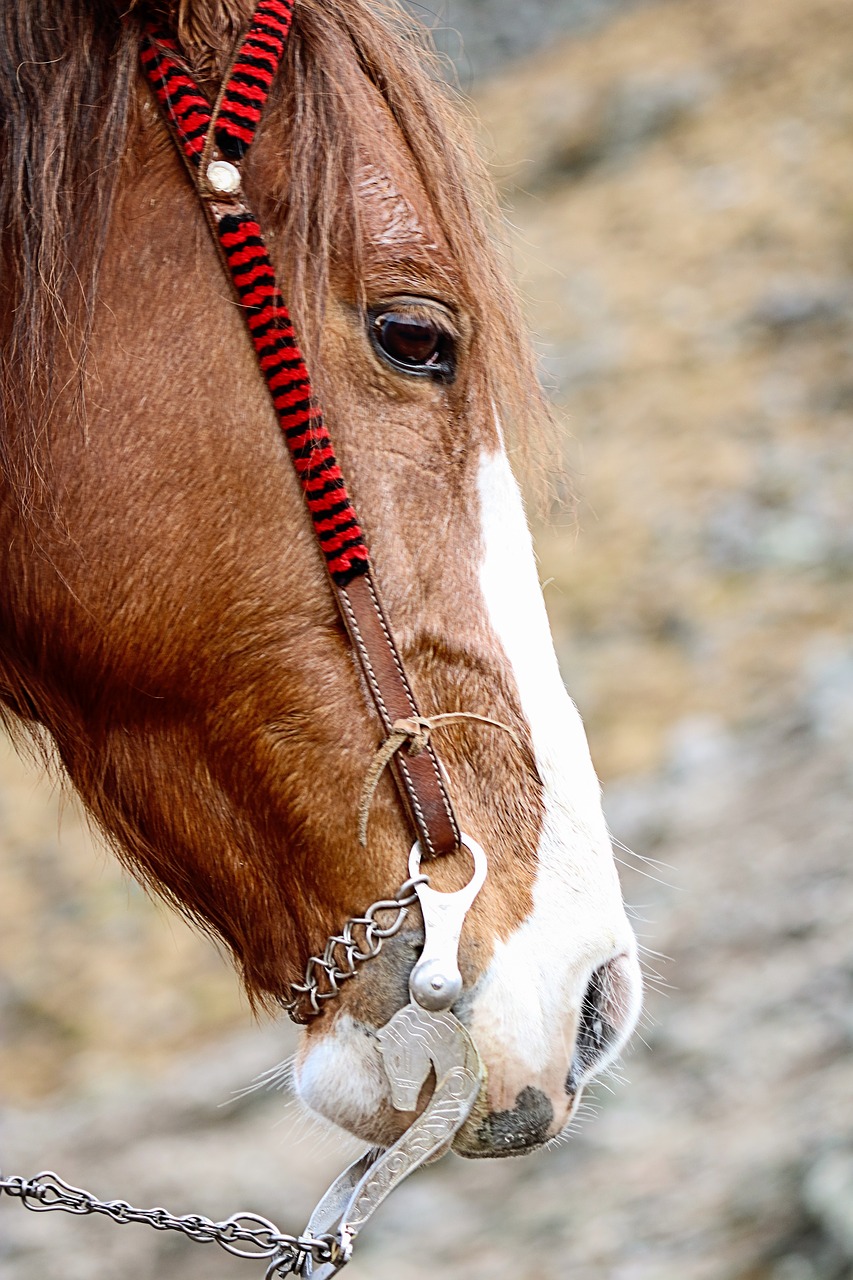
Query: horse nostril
<point x="596" y="1031"/>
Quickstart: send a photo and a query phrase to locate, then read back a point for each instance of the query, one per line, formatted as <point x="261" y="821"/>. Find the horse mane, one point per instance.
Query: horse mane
<point x="67" y="90"/>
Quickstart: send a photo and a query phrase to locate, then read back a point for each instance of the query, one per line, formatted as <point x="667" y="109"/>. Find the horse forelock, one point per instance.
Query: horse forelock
<point x="68" y="91"/>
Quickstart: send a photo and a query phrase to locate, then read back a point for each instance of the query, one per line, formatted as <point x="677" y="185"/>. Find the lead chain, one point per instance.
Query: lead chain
<point x="361" y="939"/>
<point x="46" y="1191"/>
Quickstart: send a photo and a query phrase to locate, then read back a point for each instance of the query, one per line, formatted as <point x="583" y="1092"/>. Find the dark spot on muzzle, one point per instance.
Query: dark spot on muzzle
<point x="504" y="1133"/>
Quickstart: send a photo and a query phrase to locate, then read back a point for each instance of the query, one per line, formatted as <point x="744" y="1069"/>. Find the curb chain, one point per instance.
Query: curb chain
<point x="287" y="1254"/>
<point x="361" y="939"/>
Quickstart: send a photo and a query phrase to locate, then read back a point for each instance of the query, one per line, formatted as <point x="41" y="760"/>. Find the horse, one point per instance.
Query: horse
<point x="167" y="632"/>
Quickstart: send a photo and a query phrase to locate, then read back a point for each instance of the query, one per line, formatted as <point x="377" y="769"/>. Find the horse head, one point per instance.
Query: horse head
<point x="166" y="622"/>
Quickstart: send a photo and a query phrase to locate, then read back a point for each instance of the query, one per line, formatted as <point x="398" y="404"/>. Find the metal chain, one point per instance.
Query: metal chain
<point x="361" y="939"/>
<point x="46" y="1191"/>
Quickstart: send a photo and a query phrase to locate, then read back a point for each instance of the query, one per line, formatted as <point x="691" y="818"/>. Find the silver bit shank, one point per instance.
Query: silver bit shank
<point x="435" y="982"/>
<point x="423" y="1036"/>
<point x="357" y="1193"/>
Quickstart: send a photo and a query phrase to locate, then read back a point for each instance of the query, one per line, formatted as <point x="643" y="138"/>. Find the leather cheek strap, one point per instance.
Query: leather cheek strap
<point x="419" y="777"/>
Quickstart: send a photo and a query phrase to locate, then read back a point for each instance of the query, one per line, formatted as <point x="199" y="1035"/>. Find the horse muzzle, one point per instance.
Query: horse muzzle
<point x="536" y="1044"/>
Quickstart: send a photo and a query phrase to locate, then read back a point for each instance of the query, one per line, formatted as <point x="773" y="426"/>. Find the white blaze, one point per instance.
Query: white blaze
<point x="525" y="1008"/>
<point x="539" y="975"/>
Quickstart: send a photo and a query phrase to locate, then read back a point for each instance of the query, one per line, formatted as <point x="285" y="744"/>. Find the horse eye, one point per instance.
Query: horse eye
<point x="414" y="344"/>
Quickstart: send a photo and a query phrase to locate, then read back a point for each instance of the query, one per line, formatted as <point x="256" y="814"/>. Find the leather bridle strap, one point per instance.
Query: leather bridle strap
<point x="213" y="142"/>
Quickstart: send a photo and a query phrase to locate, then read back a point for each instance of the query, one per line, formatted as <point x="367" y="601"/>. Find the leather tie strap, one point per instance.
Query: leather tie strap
<point x="213" y="142"/>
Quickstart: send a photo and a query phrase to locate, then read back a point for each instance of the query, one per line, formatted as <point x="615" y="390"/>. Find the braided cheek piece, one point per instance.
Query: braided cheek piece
<point x="335" y="521"/>
<point x="245" y="253"/>
<point x="251" y="77"/>
<point x="178" y="94"/>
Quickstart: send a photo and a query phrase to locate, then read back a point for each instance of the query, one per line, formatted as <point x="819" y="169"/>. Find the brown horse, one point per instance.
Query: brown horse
<point x="166" y="626"/>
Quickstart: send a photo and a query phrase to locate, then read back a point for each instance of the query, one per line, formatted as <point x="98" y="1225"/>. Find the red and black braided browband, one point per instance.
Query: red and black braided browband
<point x="239" y="111"/>
<point x="213" y="141"/>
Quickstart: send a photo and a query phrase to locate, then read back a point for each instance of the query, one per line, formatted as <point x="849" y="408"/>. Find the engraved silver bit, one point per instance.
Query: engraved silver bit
<point x="414" y="1041"/>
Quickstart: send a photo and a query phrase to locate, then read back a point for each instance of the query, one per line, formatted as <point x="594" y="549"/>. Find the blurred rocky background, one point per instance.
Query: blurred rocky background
<point x="481" y="36"/>
<point x="678" y="175"/>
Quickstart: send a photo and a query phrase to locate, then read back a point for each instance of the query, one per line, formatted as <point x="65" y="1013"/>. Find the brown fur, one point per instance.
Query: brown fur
<point x="67" y="89"/>
<point x="165" y="617"/>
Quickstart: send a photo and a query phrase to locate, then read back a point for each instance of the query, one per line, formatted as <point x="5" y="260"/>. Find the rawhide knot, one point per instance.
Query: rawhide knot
<point x="416" y="731"/>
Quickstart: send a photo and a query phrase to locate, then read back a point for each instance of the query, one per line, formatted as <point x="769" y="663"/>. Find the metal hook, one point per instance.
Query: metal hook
<point x="435" y="982"/>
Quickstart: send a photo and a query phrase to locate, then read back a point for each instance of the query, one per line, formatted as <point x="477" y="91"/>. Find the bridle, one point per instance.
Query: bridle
<point x="214" y="142"/>
<point x="424" y="1036"/>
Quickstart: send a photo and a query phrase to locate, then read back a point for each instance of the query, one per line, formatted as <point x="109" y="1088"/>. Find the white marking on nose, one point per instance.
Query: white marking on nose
<point x="340" y="1076"/>
<point x="539" y="974"/>
<point x="517" y="613"/>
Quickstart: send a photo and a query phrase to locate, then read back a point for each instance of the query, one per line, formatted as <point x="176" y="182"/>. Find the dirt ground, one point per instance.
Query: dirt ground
<point x="679" y="181"/>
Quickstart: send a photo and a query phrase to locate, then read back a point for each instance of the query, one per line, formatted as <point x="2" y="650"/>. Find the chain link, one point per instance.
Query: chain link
<point x="361" y="939"/>
<point x="46" y="1191"/>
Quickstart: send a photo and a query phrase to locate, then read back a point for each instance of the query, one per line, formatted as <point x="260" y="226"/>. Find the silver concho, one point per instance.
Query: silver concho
<point x="223" y="176"/>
